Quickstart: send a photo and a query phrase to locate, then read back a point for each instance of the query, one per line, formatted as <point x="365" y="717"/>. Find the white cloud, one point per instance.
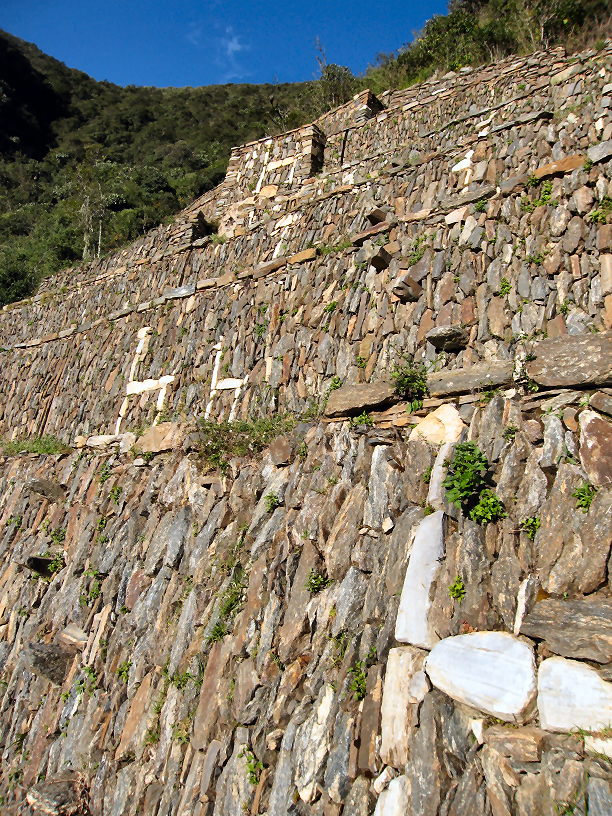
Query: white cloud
<point x="224" y="50"/>
<point x="230" y="47"/>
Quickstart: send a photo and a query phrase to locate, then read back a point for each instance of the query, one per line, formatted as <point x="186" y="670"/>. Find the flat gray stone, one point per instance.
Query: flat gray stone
<point x="44" y="487"/>
<point x="600" y="797"/>
<point x="351" y="399"/>
<point x="576" y="360"/>
<point x="48" y="660"/>
<point x="600" y="152"/>
<point x="473" y="378"/>
<point x="574" y="628"/>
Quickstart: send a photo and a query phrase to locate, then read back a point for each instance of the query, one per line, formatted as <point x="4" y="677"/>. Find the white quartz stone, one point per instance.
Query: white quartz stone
<point x="436" y="492"/>
<point x="228" y="384"/>
<point x="395" y="800"/>
<point x="102" y="441"/>
<point x="440" y="426"/>
<point x="412" y="624"/>
<point x="401" y="697"/>
<point x="572" y="695"/>
<point x="382" y="781"/>
<point x="598" y="745"/>
<point x="491" y="671"/>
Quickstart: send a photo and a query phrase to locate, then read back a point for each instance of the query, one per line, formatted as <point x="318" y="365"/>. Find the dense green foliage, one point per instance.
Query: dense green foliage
<point x="87" y="166"/>
<point x="478" y="31"/>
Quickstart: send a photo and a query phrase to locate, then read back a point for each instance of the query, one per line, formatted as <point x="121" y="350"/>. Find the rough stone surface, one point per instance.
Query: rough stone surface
<point x="474" y="378"/>
<point x="405" y="687"/>
<point x="596" y="448"/>
<point x="49" y="661"/>
<point x="579" y="628"/>
<point x="568" y="361"/>
<point x="442" y="426"/>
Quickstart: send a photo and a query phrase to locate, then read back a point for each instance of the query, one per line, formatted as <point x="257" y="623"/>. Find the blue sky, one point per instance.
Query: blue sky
<point x="205" y="42"/>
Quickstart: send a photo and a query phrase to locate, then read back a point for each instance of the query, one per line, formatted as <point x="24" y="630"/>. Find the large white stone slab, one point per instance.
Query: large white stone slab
<point x="395" y="801"/>
<point x="491" y="671"/>
<point x="412" y="625"/>
<point x="405" y="687"/>
<point x="572" y="695"/>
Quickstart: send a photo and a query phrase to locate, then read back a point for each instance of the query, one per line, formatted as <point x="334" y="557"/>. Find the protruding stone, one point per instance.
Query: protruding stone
<point x="395" y="800"/>
<point x="560" y="167"/>
<point x="74" y="637"/>
<point x="473" y="378"/>
<point x="491" y="671"/>
<point x="305" y="255"/>
<point x="44" y="487"/>
<point x="600" y="152"/>
<point x="49" y="661"/>
<point x="59" y="797"/>
<point x="522" y="744"/>
<point x="413" y="624"/>
<point x="165" y="436"/>
<point x="572" y="695"/>
<point x="573" y="360"/>
<point x="406" y="288"/>
<point x="448" y="338"/>
<point x="375" y="229"/>
<point x="350" y="399"/>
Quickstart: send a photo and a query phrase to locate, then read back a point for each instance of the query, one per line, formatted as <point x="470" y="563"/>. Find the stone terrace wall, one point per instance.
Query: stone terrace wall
<point x="318" y="631"/>
<point x="180" y="645"/>
<point x="293" y="298"/>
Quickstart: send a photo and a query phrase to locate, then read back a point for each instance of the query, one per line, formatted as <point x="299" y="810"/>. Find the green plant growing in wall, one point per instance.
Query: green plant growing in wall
<point x="530" y="527"/>
<point x="316" y="582"/>
<point x="360" y="675"/>
<point x="271" y="502"/>
<point x="504" y="287"/>
<point x="123" y="672"/>
<point x="509" y="433"/>
<point x="105" y="472"/>
<point x="584" y="496"/>
<point x="457" y="589"/>
<point x="58" y="536"/>
<point x="410" y="384"/>
<point x="600" y="215"/>
<point x="254" y="766"/>
<point x="362" y="419"/>
<point x="35" y="444"/>
<point x="465" y="477"/>
<point x="488" y="508"/>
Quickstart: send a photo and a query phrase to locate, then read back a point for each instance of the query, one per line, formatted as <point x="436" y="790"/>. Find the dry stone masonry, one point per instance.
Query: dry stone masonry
<point x="319" y="630"/>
